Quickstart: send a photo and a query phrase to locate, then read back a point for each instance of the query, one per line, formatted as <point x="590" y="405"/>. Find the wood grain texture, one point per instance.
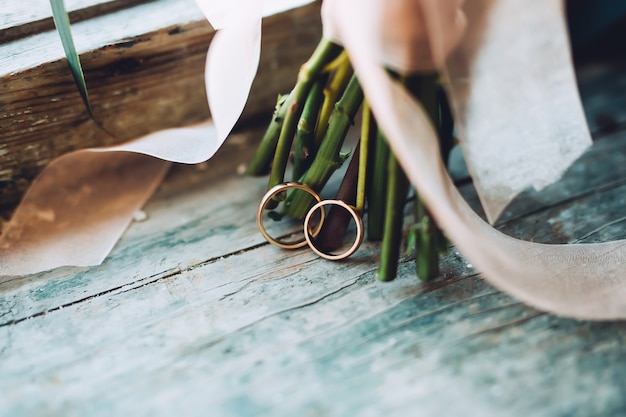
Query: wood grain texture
<point x="144" y="75"/>
<point x="193" y="313"/>
<point x="21" y="19"/>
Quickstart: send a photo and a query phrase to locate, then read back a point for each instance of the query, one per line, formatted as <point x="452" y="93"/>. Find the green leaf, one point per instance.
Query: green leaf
<point x="62" y="23"/>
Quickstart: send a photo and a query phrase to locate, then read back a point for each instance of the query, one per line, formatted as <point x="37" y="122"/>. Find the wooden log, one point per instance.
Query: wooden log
<point x="144" y="68"/>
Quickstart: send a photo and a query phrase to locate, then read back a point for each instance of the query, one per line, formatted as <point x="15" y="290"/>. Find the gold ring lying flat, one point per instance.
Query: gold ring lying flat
<point x="268" y="196"/>
<point x="359" y="229"/>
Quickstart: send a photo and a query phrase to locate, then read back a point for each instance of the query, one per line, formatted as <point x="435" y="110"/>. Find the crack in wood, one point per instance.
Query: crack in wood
<point x="504" y="326"/>
<point x="171" y="273"/>
<point x="403" y="323"/>
<point x="153" y="279"/>
<point x="598" y="229"/>
<point x="565" y="201"/>
<point x="310" y="303"/>
<point x="244" y="286"/>
<point x="489" y="311"/>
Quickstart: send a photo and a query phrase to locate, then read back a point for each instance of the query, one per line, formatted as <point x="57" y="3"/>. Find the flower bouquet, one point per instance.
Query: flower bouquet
<point x="309" y="127"/>
<point x="517" y="114"/>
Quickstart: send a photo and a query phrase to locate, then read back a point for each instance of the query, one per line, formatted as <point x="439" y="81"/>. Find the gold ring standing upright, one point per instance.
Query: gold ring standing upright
<point x="265" y="200"/>
<point x="359" y="229"/>
<point x="309" y="232"/>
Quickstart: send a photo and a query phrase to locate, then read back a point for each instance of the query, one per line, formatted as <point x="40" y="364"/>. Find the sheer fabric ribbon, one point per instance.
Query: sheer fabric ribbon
<point x="505" y="112"/>
<point x="579" y="280"/>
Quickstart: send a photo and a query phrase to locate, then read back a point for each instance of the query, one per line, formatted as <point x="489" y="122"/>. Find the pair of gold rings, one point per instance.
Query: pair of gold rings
<point x="311" y="232"/>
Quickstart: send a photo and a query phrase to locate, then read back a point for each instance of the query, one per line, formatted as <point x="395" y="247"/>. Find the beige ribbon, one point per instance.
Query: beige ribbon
<point x="580" y="280"/>
<point x="79" y="206"/>
<point x="583" y="281"/>
<point x="517" y="105"/>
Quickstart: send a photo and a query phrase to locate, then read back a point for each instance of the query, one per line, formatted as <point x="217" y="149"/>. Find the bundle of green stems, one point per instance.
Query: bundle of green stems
<point x="309" y="127"/>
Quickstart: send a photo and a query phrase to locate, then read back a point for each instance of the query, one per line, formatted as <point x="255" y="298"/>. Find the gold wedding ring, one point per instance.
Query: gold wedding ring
<point x="357" y="219"/>
<point x="265" y="200"/>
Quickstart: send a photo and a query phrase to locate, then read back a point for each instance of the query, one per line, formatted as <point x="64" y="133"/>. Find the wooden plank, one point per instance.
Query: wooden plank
<point x="21" y="19"/>
<point x="244" y="336"/>
<point x="144" y="19"/>
<point x="142" y="76"/>
<point x="214" y="217"/>
<point x="603" y="166"/>
<point x="194" y="314"/>
<point x="265" y="331"/>
<point x="212" y="209"/>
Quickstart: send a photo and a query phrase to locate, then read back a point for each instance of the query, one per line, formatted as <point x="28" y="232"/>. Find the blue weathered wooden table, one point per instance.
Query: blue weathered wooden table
<point x="195" y="314"/>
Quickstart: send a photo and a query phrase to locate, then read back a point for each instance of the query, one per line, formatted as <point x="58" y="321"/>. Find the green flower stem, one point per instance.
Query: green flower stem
<point x="328" y="157"/>
<point x="428" y="243"/>
<point x="364" y="144"/>
<point x="337" y="220"/>
<point x="397" y="188"/>
<point x="429" y="239"/>
<point x="293" y="105"/>
<point x="377" y="188"/>
<point x="62" y="22"/>
<point x="304" y="149"/>
<point x="260" y="163"/>
<point x="341" y="77"/>
<point x="325" y="52"/>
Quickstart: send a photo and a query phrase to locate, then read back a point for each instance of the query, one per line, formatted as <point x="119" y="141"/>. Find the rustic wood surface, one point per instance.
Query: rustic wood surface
<point x="194" y="314"/>
<point x="144" y="68"/>
<point x="21" y="19"/>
